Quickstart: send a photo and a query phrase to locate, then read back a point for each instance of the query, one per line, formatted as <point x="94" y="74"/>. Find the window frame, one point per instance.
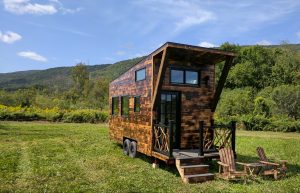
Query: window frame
<point x="184" y="76"/>
<point x="122" y="105"/>
<point x="135" y="74"/>
<point x="134" y="104"/>
<point x="113" y="113"/>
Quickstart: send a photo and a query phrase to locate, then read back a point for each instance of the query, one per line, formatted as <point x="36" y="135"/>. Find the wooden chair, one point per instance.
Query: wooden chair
<point x="271" y="168"/>
<point x="227" y="166"/>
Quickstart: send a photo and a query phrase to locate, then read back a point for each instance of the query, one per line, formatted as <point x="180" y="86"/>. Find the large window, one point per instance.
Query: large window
<point x="115" y="106"/>
<point x="140" y="74"/>
<point x="124" y="105"/>
<point x="189" y="77"/>
<point x="137" y="104"/>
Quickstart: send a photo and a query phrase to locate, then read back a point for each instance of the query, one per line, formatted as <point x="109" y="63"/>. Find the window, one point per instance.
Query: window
<point x="140" y="74"/>
<point x="137" y="104"/>
<point x="188" y="77"/>
<point x="115" y="106"/>
<point x="191" y="77"/>
<point x="124" y="105"/>
<point x="177" y="76"/>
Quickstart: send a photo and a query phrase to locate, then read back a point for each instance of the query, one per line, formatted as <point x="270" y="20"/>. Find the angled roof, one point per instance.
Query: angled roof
<point x="197" y="53"/>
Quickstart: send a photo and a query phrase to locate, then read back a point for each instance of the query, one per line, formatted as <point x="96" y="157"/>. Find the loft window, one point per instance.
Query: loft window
<point x="188" y="77"/>
<point x="137" y="104"/>
<point x="124" y="105"/>
<point x="140" y="74"/>
<point x="191" y="77"/>
<point x="177" y="76"/>
<point x="115" y="106"/>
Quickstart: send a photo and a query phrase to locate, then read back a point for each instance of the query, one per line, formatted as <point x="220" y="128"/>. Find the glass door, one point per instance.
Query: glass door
<point x="169" y="109"/>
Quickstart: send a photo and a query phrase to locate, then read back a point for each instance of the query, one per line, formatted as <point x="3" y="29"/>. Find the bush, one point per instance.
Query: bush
<point x="53" y="114"/>
<point x="85" y="116"/>
<point x="261" y="123"/>
<point x="255" y="123"/>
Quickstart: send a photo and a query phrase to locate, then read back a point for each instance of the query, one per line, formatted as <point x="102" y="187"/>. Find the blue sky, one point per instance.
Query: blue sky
<point x="50" y="33"/>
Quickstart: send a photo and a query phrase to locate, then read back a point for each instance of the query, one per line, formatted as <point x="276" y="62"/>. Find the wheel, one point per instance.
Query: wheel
<point x="126" y="145"/>
<point x="132" y="149"/>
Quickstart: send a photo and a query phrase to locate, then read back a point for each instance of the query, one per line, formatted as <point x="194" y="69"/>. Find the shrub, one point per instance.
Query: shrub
<point x="255" y="123"/>
<point x="51" y="114"/>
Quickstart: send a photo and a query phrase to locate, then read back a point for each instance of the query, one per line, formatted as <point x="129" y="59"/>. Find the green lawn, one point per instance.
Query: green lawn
<point x="48" y="157"/>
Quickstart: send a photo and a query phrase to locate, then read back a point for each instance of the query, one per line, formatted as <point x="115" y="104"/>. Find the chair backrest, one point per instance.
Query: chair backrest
<point x="227" y="157"/>
<point x="261" y="154"/>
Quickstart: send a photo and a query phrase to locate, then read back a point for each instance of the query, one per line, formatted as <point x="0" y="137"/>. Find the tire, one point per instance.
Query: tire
<point x="126" y="145"/>
<point x="132" y="149"/>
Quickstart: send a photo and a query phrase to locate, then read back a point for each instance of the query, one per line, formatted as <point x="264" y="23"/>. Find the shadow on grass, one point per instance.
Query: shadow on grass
<point x="162" y="165"/>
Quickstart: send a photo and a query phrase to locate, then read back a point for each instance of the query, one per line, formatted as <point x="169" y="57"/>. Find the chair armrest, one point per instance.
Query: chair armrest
<point x="283" y="161"/>
<point x="222" y="164"/>
<point x="269" y="163"/>
<point x="241" y="163"/>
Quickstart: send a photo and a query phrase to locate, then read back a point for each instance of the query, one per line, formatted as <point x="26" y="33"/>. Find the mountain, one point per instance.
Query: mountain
<point x="60" y="77"/>
<point x="113" y="71"/>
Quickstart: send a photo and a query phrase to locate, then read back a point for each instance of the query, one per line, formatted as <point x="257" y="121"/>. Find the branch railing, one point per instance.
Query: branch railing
<point x="163" y="138"/>
<point x="214" y="137"/>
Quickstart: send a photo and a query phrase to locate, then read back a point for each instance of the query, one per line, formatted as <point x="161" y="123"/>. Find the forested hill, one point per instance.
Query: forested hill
<point x="60" y="77"/>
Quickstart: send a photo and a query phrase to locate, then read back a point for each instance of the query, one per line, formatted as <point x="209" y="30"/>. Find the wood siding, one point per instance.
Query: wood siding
<point x="137" y="125"/>
<point x="195" y="100"/>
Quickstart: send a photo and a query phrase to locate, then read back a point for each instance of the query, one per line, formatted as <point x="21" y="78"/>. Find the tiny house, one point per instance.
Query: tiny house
<point x="164" y="105"/>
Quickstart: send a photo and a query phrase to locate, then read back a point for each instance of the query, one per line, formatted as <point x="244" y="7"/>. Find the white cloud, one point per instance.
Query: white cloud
<point x="298" y="34"/>
<point x="33" y="56"/>
<point x="9" y="37"/>
<point x="200" y="16"/>
<point x="182" y="14"/>
<point x="264" y="43"/>
<point x="21" y="7"/>
<point x="120" y="53"/>
<point x="25" y="7"/>
<point x="63" y="9"/>
<point x="207" y="45"/>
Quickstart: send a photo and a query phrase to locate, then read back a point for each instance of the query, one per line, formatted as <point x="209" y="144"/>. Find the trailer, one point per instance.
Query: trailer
<point x="164" y="105"/>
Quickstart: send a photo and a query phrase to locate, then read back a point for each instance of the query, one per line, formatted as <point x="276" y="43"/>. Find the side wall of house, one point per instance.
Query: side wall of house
<point x="137" y="125"/>
<point x="195" y="101"/>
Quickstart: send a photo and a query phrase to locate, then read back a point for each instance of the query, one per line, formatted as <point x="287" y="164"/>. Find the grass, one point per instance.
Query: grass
<point x="49" y="157"/>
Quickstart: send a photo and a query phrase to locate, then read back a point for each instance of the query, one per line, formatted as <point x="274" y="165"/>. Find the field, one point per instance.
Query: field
<point x="49" y="157"/>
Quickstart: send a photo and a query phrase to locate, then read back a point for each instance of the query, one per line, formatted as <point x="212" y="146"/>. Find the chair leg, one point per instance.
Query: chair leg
<point x="275" y="174"/>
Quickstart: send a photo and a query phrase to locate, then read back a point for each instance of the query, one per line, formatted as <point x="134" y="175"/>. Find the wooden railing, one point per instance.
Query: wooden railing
<point x="215" y="137"/>
<point x="163" y="138"/>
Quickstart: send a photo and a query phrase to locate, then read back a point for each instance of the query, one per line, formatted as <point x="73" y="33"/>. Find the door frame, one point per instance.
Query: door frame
<point x="178" y="115"/>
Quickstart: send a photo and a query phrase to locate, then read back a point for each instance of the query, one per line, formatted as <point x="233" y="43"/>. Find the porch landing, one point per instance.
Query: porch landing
<point x="193" y="153"/>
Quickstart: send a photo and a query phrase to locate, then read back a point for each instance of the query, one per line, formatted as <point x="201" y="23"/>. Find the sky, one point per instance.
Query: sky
<point x="50" y="33"/>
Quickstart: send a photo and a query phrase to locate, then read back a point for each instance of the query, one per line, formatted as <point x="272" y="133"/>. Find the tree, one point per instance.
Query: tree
<point x="80" y="76"/>
<point x="287" y="99"/>
<point x="286" y="67"/>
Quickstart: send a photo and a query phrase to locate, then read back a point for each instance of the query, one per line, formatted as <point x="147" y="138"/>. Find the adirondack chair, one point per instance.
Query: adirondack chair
<point x="227" y="166"/>
<point x="271" y="168"/>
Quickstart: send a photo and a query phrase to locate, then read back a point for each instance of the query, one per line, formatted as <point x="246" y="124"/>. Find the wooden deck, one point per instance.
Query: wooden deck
<point x="193" y="153"/>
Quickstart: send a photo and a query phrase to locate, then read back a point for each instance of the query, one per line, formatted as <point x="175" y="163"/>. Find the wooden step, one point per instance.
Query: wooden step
<point x="196" y="178"/>
<point x="194" y="169"/>
<point x="184" y="161"/>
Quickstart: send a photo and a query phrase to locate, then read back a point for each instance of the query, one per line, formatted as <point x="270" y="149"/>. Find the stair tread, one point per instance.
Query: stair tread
<point x="194" y="166"/>
<point x="186" y="158"/>
<point x="199" y="175"/>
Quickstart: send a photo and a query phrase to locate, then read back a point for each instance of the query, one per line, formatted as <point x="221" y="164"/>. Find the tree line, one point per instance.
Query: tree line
<point x="262" y="90"/>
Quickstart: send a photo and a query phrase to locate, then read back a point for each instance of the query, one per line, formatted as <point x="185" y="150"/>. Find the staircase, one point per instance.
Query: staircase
<point x="193" y="169"/>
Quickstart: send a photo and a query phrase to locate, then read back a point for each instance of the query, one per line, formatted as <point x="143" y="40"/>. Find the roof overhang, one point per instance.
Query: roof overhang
<point x="195" y="54"/>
